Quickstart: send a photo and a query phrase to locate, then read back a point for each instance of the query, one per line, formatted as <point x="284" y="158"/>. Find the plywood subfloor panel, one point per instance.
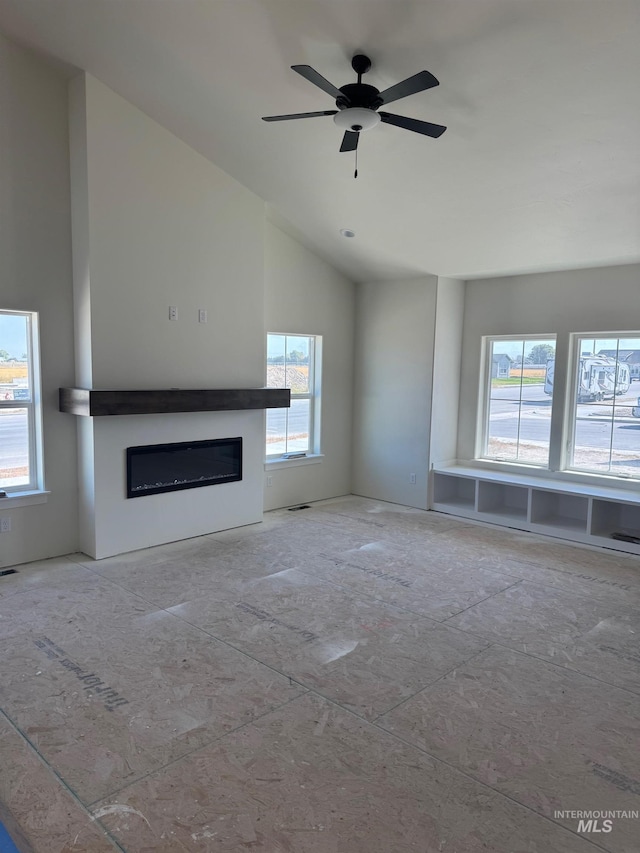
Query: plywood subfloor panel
<point x="353" y="678"/>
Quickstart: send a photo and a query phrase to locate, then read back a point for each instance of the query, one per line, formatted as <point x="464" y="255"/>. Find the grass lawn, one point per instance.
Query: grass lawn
<point x="515" y="380"/>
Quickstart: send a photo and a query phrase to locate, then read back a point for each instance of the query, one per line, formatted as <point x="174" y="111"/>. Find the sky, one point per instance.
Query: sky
<point x="587" y="345"/>
<point x="276" y="344"/>
<point x="13" y="334"/>
<point x="594" y="345"/>
<point x="514" y="348"/>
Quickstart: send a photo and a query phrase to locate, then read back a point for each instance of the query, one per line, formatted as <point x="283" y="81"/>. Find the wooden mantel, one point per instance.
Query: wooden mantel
<point x="81" y="401"/>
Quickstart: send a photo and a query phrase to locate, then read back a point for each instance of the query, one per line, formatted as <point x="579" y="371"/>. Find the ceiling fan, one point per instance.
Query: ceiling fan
<point x="358" y="103"/>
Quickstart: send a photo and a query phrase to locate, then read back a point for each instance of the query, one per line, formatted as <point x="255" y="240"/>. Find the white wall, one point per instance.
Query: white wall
<point x="395" y="327"/>
<point x="446" y="371"/>
<point x="305" y="294"/>
<point x="588" y="300"/>
<point x="35" y="275"/>
<point x="166" y="227"/>
<point x="126" y="525"/>
<point x="156" y="224"/>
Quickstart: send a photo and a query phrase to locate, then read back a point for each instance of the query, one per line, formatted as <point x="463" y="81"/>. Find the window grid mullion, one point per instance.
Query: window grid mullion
<point x="507" y="444"/>
<point x="306" y="343"/>
<point x="520" y="402"/>
<point x="604" y="379"/>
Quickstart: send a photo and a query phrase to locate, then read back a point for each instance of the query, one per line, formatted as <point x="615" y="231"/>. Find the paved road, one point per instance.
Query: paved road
<point x="535" y="419"/>
<point x="298" y="425"/>
<point x="14" y="447"/>
<point x="534" y="423"/>
<point x="13" y="439"/>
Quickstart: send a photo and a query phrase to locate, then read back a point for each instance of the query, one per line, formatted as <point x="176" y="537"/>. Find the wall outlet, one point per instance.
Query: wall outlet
<point x="202" y="315"/>
<point x="173" y="312"/>
<point x="269" y="481"/>
<point x="5" y="524"/>
<point x="412" y="479"/>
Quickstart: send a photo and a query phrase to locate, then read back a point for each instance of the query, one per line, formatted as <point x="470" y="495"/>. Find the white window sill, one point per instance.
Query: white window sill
<point x="278" y="462"/>
<point x="16" y="499"/>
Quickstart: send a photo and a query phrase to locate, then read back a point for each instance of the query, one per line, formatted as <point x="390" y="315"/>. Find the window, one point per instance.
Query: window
<point x="518" y="395"/>
<point x="293" y="361"/>
<point x="605" y="435"/>
<point x="20" y="456"/>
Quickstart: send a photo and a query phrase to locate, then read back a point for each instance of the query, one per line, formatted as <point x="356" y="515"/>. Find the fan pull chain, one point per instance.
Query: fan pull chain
<point x="355" y="174"/>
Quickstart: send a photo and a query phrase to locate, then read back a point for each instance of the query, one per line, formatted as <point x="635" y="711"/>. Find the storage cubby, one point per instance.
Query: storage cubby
<point x="553" y="507"/>
<point x="610" y="517"/>
<point x="503" y="499"/>
<point x="454" y="491"/>
<point x="556" y="509"/>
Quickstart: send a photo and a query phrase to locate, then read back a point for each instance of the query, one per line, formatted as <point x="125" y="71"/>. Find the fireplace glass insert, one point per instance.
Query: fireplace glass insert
<point x="158" y="468"/>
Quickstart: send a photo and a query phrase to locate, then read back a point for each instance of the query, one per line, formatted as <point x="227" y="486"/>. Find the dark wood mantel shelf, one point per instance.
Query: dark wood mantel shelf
<point x="81" y="401"/>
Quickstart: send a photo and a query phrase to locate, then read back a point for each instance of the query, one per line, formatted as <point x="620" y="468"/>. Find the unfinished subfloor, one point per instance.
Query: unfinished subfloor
<point x="355" y="677"/>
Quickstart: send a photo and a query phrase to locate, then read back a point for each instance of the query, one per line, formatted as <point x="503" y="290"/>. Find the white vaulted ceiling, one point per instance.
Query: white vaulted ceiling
<point x="539" y="168"/>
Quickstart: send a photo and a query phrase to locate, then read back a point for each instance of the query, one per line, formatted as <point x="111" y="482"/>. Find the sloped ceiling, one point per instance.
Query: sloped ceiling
<point x="539" y="168"/>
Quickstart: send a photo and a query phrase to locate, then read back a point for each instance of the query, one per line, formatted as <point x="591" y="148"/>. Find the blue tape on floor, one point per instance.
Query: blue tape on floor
<point x="6" y="844"/>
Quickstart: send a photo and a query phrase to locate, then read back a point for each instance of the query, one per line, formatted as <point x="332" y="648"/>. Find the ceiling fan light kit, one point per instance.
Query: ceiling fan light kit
<point x="358" y="103"/>
<point x="356" y="119"/>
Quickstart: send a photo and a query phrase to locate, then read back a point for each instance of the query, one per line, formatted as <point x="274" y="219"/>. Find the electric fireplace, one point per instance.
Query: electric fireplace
<point x="158" y="468"/>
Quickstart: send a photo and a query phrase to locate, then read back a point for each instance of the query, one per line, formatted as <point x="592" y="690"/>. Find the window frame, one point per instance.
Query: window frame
<point x="571" y="408"/>
<point x="32" y="406"/>
<point x="313" y="395"/>
<point x="484" y="407"/>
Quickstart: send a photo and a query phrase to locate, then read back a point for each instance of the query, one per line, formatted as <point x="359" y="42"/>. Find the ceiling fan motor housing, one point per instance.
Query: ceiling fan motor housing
<point x="358" y="106"/>
<point x="359" y="95"/>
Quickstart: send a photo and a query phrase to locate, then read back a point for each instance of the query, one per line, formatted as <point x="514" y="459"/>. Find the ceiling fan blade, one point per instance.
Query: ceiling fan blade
<point x="424" y="127"/>
<point x="350" y="140"/>
<point x="418" y="83"/>
<point x="312" y="76"/>
<point x="299" y="115"/>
